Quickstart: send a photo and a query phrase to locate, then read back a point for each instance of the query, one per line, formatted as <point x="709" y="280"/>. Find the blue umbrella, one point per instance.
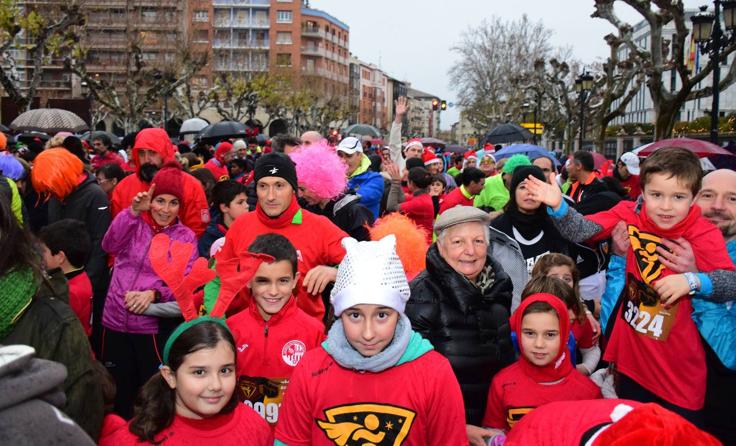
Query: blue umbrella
<point x="529" y="150"/>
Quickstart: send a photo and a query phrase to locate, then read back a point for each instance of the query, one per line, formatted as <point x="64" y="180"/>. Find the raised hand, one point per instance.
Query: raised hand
<point x="142" y="201"/>
<point x="392" y="170"/>
<point x="402" y="106"/>
<point x="549" y="194"/>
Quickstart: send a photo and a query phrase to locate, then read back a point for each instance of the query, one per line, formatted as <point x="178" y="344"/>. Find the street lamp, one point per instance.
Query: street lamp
<point x="712" y="39"/>
<point x="583" y="85"/>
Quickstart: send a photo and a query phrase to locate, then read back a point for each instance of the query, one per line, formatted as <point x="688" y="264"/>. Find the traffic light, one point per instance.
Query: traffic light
<point x="435" y="104"/>
<point x="443" y="105"/>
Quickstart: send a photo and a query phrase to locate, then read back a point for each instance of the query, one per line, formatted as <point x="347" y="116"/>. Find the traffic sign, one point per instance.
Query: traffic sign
<point x="537" y="129"/>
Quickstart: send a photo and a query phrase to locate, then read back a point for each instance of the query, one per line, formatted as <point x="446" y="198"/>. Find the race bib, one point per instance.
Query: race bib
<point x="642" y="308"/>
<point x="263" y="395"/>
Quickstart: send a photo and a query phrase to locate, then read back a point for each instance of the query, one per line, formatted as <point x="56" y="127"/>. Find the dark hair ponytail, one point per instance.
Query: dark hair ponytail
<point x="155" y="405"/>
<point x="420" y="177"/>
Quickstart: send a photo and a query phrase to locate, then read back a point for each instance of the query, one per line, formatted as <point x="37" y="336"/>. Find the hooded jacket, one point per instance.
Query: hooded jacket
<point x="523" y="386"/>
<point x="467" y="326"/>
<point x="415" y="402"/>
<point x="129" y="239"/>
<point x="194" y="212"/>
<point x="53" y="330"/>
<point x="367" y="184"/>
<point x="31" y="390"/>
<point x="269" y="350"/>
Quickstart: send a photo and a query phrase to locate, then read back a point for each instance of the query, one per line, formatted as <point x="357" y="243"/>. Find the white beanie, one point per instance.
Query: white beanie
<point x="370" y="273"/>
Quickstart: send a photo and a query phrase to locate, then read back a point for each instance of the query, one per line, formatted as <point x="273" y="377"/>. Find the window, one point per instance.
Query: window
<point x="283" y="38"/>
<point x="201" y="16"/>
<point x="283" y="59"/>
<point x="201" y="35"/>
<point x="283" y="17"/>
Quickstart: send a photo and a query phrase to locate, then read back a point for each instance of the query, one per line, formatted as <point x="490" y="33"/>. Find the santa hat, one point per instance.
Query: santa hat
<point x="370" y="273"/>
<point x="414" y="143"/>
<point x="470" y="154"/>
<point x="169" y="180"/>
<point x="222" y="149"/>
<point x="651" y="424"/>
<point x="429" y="158"/>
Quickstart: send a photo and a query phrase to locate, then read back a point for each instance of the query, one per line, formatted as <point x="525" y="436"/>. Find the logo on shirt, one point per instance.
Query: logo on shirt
<point x="644" y="246"/>
<point x="514" y="414"/>
<point x="367" y="424"/>
<point x="242" y="348"/>
<point x="292" y="352"/>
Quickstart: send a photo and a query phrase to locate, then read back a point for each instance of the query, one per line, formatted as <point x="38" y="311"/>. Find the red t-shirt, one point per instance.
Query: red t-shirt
<point x="317" y="241"/>
<point x="80" y="297"/>
<point x="660" y="348"/>
<point x="513" y="394"/>
<point x="455" y="198"/>
<point x="219" y="171"/>
<point x="421" y="210"/>
<point x="583" y="333"/>
<point x="631" y="186"/>
<point x="268" y="353"/>
<point x="412" y="404"/>
<point x="239" y="427"/>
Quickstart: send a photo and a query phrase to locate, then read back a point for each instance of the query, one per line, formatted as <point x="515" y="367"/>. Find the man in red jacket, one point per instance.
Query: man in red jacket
<point x="316" y="238"/>
<point x="151" y="150"/>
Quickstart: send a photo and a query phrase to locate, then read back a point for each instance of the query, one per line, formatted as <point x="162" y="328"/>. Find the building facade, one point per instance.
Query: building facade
<point x="641" y="108"/>
<point x="423" y="121"/>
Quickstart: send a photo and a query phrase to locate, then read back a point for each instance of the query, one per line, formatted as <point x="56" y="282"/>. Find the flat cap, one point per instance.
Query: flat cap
<point x="460" y="214"/>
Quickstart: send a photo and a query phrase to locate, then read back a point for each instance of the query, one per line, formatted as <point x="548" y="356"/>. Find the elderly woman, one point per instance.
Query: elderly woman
<point x="460" y="303"/>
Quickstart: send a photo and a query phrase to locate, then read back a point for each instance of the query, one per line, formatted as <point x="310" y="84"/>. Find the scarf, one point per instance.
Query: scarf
<point x="155" y="227"/>
<point x="528" y="225"/>
<point x="343" y="353"/>
<point x="561" y="366"/>
<point x="17" y="288"/>
<point x="486" y="278"/>
<point x="292" y="215"/>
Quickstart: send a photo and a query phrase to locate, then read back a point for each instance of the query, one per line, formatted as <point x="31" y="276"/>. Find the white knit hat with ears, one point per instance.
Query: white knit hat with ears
<point x="370" y="273"/>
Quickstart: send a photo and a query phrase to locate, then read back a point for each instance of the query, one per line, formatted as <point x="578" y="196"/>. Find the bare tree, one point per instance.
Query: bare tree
<point x="663" y="55"/>
<point x="490" y="56"/>
<point x="189" y="101"/>
<point x="43" y="34"/>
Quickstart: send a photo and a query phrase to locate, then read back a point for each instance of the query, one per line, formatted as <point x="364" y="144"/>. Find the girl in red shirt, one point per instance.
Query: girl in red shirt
<point x="544" y="372"/>
<point x="563" y="268"/>
<point x="192" y="400"/>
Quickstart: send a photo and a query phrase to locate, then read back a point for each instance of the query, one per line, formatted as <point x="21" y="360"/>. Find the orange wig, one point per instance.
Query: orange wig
<point x="411" y="241"/>
<point x="56" y="172"/>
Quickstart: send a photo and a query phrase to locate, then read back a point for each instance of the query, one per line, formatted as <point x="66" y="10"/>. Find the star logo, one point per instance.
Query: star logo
<point x="273" y="170"/>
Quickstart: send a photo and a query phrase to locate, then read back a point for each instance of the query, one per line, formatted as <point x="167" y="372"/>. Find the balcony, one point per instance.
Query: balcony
<point x="241" y="44"/>
<point x="313" y="31"/>
<point x="312" y="50"/>
<point x="235" y="23"/>
<point x="240" y="3"/>
<point x="321" y="72"/>
<point x="222" y="65"/>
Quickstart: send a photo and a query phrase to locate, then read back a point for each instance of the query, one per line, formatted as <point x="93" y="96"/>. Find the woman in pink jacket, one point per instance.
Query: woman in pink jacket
<point x="138" y="300"/>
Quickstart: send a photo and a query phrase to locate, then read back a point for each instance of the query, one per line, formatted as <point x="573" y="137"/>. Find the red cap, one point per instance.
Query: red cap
<point x="429" y="158"/>
<point x="470" y="154"/>
<point x="169" y="180"/>
<point x="223" y="148"/>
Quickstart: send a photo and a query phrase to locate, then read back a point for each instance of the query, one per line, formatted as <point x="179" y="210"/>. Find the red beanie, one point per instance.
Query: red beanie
<point x="223" y="148"/>
<point x="169" y="180"/>
<point x="429" y="158"/>
<point x="470" y="154"/>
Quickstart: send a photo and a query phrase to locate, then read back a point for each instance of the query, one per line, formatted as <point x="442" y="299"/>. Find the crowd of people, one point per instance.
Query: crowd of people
<point x="309" y="293"/>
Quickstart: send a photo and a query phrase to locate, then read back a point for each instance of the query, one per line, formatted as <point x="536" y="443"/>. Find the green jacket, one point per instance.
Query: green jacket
<point x="494" y="194"/>
<point x="50" y="326"/>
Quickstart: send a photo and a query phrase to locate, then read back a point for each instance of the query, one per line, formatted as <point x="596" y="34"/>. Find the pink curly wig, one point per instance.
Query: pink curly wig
<point x="411" y="241"/>
<point x="320" y="170"/>
<point x="56" y="172"/>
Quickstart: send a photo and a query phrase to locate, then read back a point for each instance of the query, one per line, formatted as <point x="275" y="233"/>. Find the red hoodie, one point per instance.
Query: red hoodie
<point x="194" y="211"/>
<point x="268" y="351"/>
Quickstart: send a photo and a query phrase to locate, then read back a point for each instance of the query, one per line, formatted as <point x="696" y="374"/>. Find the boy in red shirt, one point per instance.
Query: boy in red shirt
<point x="374" y="380"/>
<point x="66" y="246"/>
<point x="272" y="334"/>
<point x="654" y="342"/>
<point x="544" y="372"/>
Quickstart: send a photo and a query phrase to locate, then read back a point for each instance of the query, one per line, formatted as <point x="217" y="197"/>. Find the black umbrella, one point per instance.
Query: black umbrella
<point x="89" y="136"/>
<point x="223" y="130"/>
<point x="454" y="148"/>
<point x="506" y="133"/>
<point x="4" y="129"/>
<point x="433" y="142"/>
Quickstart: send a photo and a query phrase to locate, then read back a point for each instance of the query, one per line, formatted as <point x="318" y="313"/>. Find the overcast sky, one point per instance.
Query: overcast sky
<point x="411" y="39"/>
